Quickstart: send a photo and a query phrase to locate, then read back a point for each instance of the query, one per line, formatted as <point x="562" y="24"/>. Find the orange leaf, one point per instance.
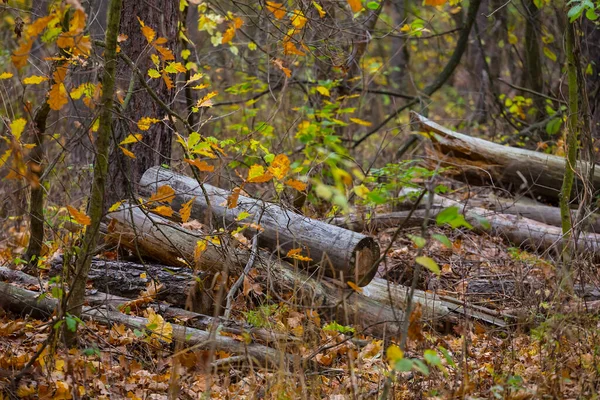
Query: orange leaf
<point x="356" y="5"/>
<point x="228" y="35"/>
<point x="354" y="287"/>
<point x="127" y="152"/>
<point x="148" y="32"/>
<point x="201" y="165"/>
<point x="435" y="2"/>
<point x="21" y="55"/>
<point x="290" y="48"/>
<point x="186" y="209"/>
<point x="168" y="81"/>
<point x="298" y="185"/>
<point x="280" y="166"/>
<point x="277" y="9"/>
<point x="78" y="216"/>
<point x="279" y="64"/>
<point x="164" y="52"/>
<point x="164" y="193"/>
<point x="165" y="211"/>
<point x="57" y="97"/>
<point x="233" y="199"/>
<point x="297" y="255"/>
<point x="206" y="100"/>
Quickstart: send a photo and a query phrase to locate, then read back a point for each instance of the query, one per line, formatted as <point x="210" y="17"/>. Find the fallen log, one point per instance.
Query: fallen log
<point x="279" y="278"/>
<point x="483" y="162"/>
<point x="523" y="207"/>
<point x="169" y="312"/>
<point x="21" y="300"/>
<point x="522" y="232"/>
<point x="339" y="253"/>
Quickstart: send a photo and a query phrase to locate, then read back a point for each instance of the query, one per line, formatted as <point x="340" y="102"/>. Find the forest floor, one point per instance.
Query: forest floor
<point x="551" y="351"/>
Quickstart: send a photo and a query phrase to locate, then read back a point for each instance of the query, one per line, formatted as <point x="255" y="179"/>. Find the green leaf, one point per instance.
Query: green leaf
<point x="152" y="73"/>
<point x="432" y="358"/>
<point x="447" y="356"/>
<point x="335" y="327"/>
<point x="443" y="239"/>
<point x="404" y="365"/>
<point x="372" y="5"/>
<point x="419" y="241"/>
<point x="420" y="366"/>
<point x="446" y="215"/>
<point x="71" y="323"/>
<point x="428" y="263"/>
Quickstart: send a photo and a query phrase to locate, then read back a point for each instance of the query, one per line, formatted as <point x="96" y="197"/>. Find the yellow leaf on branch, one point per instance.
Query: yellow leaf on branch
<point x="164" y="193"/>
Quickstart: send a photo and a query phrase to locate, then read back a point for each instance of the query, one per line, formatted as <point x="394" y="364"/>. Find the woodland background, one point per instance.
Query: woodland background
<point x="326" y="109"/>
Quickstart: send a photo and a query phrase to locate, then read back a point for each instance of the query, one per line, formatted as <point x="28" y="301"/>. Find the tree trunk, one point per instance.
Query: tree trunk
<point x="340" y="253"/>
<point x="155" y="147"/>
<point x="76" y="295"/>
<point x="482" y="162"/>
<point x="533" y="77"/>
<point x="36" y="203"/>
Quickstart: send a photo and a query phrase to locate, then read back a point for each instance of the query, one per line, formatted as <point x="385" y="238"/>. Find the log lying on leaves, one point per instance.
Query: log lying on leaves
<point x="128" y="279"/>
<point x="279" y="279"/>
<point x="169" y="312"/>
<point x="520" y="231"/>
<point x="25" y="301"/>
<point x="481" y="161"/>
<point x="339" y="253"/>
<point x="523" y="207"/>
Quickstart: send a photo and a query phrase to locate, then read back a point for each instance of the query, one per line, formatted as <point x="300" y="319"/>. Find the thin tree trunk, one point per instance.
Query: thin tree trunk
<point x="533" y="77"/>
<point x="36" y="204"/>
<point x="155" y="147"/>
<point x="75" y="298"/>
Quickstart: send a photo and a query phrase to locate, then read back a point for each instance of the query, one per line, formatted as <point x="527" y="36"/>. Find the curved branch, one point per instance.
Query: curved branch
<point x="439" y="81"/>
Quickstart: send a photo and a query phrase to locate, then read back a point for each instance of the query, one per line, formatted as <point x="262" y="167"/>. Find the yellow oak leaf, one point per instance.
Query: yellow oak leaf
<point x="319" y="8"/>
<point x="34" y="80"/>
<point x="160" y="329"/>
<point x="6" y="75"/>
<point x="145" y="122"/>
<point x="298" y="19"/>
<point x="131" y="139"/>
<point x="17" y="127"/>
<point x="206" y="100"/>
<point x="78" y="216"/>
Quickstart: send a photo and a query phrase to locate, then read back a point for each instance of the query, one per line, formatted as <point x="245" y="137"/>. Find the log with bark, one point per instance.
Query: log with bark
<point x="480" y="161"/>
<point x="523" y="207"/>
<point x="21" y="300"/>
<point x="522" y="232"/>
<point x="281" y="280"/>
<point x="338" y="252"/>
<point x="169" y="312"/>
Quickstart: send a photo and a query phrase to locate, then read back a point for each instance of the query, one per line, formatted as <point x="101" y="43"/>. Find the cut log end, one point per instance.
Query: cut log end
<point x="364" y="256"/>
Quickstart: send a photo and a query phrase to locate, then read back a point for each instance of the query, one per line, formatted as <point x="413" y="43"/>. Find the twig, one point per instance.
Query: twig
<point x="235" y="287"/>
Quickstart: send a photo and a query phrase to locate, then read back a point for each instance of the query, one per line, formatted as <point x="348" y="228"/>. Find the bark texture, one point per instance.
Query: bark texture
<point x="155" y="147"/>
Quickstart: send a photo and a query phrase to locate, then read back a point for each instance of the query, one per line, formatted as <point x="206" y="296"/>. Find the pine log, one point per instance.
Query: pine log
<point x="25" y="301"/>
<point x="339" y="253"/>
<point x="279" y="278"/>
<point x="483" y="162"/>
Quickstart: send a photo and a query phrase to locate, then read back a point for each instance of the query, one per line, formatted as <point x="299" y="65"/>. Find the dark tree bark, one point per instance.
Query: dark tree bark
<point x="533" y="77"/>
<point x="155" y="147"/>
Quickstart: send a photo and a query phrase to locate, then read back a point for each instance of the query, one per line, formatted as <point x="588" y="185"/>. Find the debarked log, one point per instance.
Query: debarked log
<point x="339" y="253"/>
<point x="482" y="161"/>
<point x="288" y="283"/>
